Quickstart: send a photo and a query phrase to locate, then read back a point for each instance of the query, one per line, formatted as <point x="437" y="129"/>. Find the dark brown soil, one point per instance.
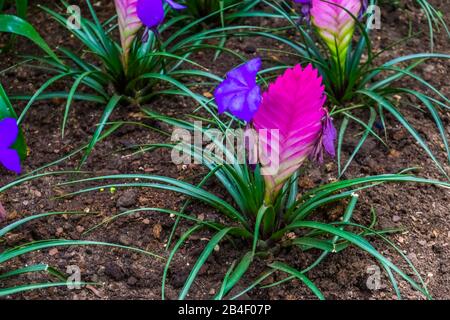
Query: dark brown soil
<point x="421" y="210"/>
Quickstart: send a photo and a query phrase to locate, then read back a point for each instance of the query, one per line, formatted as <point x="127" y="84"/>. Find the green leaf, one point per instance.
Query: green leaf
<point x="235" y="275"/>
<point x="95" y="138"/>
<point x="16" y="25"/>
<point x="29" y="287"/>
<point x="70" y="98"/>
<point x="173" y="185"/>
<point x="313" y="243"/>
<point x="22" y="8"/>
<point x="389" y="107"/>
<point x="20" y="222"/>
<point x="369" y="126"/>
<point x="39" y="245"/>
<point x="34" y="268"/>
<point x="299" y="275"/>
<point x="201" y="261"/>
<point x="342" y="130"/>
<point x="359" y="242"/>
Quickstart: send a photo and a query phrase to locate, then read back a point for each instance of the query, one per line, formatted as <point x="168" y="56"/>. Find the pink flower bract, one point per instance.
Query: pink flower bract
<point x="129" y="24"/>
<point x="292" y="113"/>
<point x="335" y="25"/>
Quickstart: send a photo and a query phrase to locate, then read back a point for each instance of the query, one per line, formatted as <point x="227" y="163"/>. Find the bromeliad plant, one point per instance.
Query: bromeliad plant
<point x="263" y="206"/>
<point x="352" y="77"/>
<point x="125" y="72"/>
<point x="434" y="16"/>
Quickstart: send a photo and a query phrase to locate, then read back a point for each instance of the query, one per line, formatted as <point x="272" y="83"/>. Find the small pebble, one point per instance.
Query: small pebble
<point x="59" y="231"/>
<point x="157" y="229"/>
<point x="125" y="240"/>
<point x="250" y="49"/>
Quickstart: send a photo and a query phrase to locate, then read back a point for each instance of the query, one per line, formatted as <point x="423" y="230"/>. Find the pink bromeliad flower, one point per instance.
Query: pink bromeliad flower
<point x="335" y="22"/>
<point x="129" y="25"/>
<point x="133" y="14"/>
<point x="290" y="121"/>
<point x="292" y="125"/>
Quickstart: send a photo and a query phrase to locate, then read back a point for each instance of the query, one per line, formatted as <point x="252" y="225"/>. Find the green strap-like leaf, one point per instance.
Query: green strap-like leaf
<point x="29" y="287"/>
<point x="201" y="261"/>
<point x="389" y="107"/>
<point x="16" y="25"/>
<point x="234" y="275"/>
<point x="285" y="268"/>
<point x="39" y="245"/>
<point x="95" y="138"/>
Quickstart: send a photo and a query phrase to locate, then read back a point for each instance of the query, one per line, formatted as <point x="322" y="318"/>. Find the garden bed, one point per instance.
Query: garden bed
<point x="421" y="211"/>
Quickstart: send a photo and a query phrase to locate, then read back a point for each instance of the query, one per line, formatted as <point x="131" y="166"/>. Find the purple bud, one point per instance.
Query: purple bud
<point x="326" y="142"/>
<point x="306" y="8"/>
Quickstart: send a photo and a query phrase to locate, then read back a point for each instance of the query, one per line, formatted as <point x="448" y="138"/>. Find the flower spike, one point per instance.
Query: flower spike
<point x="129" y="25"/>
<point x="292" y="113"/>
<point x="335" y="25"/>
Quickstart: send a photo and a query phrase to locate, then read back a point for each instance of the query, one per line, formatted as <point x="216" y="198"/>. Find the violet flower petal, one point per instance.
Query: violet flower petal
<point x="239" y="93"/>
<point x="10" y="159"/>
<point x="306" y="8"/>
<point x="175" y="5"/>
<point x="150" y="12"/>
<point x="329" y="136"/>
<point x="364" y="6"/>
<point x="327" y="141"/>
<point x="8" y="132"/>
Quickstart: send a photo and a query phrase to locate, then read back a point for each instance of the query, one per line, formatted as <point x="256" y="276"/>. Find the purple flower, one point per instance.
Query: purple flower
<point x="239" y="94"/>
<point x="306" y="8"/>
<point x="326" y="142"/>
<point x="9" y="158"/>
<point x="364" y="6"/>
<point x="151" y="12"/>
